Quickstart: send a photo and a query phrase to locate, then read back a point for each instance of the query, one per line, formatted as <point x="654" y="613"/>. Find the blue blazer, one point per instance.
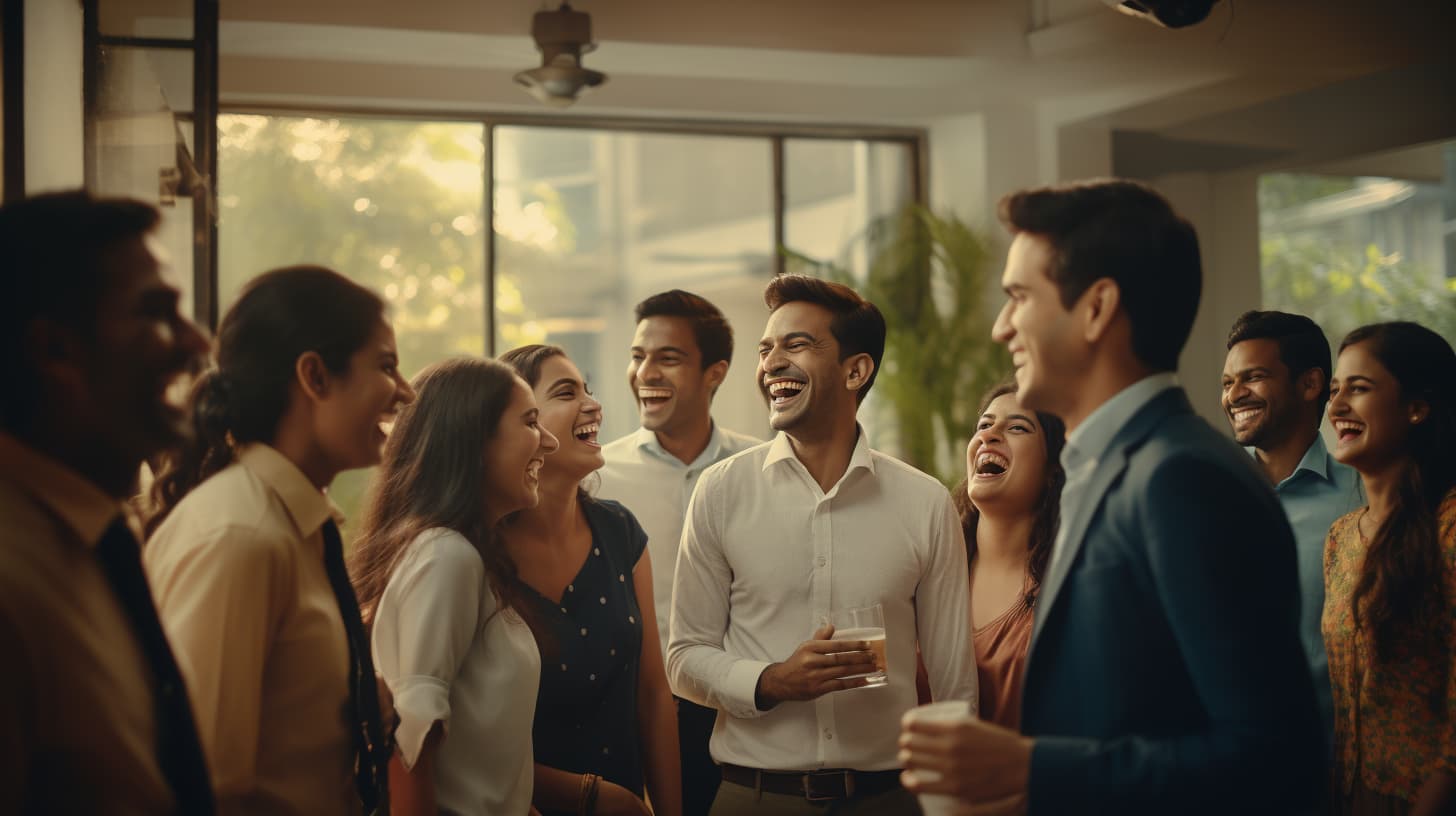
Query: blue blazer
<point x="1165" y="673"/>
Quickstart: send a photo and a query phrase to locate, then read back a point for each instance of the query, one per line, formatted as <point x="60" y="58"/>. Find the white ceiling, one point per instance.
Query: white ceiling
<point x="1257" y="76"/>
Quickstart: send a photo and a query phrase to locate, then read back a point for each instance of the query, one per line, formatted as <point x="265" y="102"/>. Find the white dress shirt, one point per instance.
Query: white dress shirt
<point x="450" y="653"/>
<point x="656" y="486"/>
<point x="766" y="555"/>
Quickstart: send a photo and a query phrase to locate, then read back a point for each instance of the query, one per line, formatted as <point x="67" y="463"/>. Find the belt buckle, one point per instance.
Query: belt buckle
<point x="805" y="781"/>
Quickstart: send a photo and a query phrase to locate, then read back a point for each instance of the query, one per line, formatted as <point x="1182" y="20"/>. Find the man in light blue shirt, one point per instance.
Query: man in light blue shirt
<point x="680" y="355"/>
<point x="1276" y="381"/>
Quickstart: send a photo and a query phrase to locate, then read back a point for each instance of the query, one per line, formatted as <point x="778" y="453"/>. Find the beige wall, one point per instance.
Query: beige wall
<point x="54" y="145"/>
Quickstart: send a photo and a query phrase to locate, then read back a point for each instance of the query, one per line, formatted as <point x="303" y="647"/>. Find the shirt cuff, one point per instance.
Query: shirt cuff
<point x="739" y="687"/>
<point x="420" y="701"/>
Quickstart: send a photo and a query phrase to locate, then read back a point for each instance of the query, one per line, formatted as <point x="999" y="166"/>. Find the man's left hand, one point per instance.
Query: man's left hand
<point x="978" y="762"/>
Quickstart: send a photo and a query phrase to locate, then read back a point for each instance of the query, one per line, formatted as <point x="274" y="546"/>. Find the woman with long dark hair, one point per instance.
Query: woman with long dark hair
<point x="246" y="561"/>
<point x="438" y="587"/>
<point x="1390" y="574"/>
<point x="1008" y="504"/>
<point x="606" y="727"/>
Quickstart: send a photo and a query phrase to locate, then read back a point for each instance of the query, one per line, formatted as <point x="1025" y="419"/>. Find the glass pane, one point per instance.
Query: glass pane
<point x="833" y="189"/>
<point x="143" y="141"/>
<point x="396" y="205"/>
<point x="1348" y="251"/>
<point x="170" y="19"/>
<point x="588" y="223"/>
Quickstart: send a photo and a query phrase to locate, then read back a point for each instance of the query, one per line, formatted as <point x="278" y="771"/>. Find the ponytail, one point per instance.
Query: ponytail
<point x="280" y="316"/>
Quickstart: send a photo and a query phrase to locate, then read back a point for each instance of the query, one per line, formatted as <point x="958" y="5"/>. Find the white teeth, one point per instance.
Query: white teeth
<point x="1244" y="413"/>
<point x="386" y="425"/>
<point x="653" y="393"/>
<point x="587" y="430"/>
<point x="533" y="470"/>
<point x="994" y="458"/>
<point x="1346" y="425"/>
<point x="783" y="387"/>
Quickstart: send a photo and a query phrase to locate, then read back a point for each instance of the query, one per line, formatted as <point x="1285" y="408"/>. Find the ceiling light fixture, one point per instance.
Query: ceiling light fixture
<point x="562" y="37"/>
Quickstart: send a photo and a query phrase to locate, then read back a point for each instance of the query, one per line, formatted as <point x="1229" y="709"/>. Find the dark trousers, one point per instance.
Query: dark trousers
<point x="700" y="774"/>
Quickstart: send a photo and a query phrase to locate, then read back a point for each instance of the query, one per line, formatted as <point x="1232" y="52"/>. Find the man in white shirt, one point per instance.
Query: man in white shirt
<point x="1165" y="672"/>
<point x="783" y="534"/>
<point x="680" y="355"/>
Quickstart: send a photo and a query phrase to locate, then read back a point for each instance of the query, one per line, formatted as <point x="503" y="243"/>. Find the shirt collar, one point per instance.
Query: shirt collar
<point x="1316" y="459"/>
<point x="780" y="450"/>
<point x="1091" y="439"/>
<point x="306" y="505"/>
<point x="647" y="440"/>
<point x="83" y="506"/>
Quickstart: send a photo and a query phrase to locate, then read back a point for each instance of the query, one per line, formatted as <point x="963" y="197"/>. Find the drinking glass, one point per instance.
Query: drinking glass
<point x="939" y="804"/>
<point x="865" y="623"/>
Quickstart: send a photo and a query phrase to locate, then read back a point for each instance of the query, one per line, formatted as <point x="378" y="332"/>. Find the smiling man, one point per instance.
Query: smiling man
<point x="94" y="717"/>
<point x="1165" y="673"/>
<point x="680" y="356"/>
<point x="1276" y="382"/>
<point x="782" y="535"/>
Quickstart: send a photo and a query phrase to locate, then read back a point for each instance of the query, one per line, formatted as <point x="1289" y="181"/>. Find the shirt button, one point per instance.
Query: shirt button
<point x="829" y="735"/>
<point x="820" y="560"/>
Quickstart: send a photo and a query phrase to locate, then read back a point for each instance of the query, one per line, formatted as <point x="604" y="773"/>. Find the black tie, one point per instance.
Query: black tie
<point x="371" y="758"/>
<point x="179" y="751"/>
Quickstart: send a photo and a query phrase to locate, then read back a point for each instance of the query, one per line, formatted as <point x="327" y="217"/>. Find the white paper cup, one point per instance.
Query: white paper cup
<point x="939" y="804"/>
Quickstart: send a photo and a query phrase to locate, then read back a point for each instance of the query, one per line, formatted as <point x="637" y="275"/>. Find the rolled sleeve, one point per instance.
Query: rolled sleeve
<point x="426" y="621"/>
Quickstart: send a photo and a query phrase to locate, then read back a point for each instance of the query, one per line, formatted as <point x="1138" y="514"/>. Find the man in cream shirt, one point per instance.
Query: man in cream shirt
<point x="680" y="355"/>
<point x="780" y="536"/>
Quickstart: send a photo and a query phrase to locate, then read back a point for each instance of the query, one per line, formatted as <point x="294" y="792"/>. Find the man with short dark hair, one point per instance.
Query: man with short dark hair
<point x="1276" y="381"/>
<point x="1165" y="673"/>
<point x="782" y="535"/>
<point x="680" y="355"/>
<point x="94" y="717"/>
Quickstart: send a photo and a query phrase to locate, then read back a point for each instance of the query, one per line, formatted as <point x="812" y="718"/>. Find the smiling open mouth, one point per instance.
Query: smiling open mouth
<point x="587" y="432"/>
<point x="1346" y="429"/>
<point x="990" y="465"/>
<point x="782" y="391"/>
<point x="1243" y="415"/>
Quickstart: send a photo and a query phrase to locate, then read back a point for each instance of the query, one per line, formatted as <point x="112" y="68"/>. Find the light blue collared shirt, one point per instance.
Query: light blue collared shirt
<point x="1089" y="442"/>
<point x="1318" y="492"/>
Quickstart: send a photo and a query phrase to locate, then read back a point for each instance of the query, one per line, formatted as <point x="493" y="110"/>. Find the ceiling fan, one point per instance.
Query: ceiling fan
<point x="562" y="36"/>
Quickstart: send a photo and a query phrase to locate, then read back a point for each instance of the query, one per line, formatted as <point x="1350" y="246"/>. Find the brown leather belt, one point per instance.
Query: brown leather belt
<point x="816" y="786"/>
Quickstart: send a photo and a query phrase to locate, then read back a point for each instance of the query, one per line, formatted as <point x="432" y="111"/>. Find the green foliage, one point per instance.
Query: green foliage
<point x="928" y="275"/>
<point x="1341" y="287"/>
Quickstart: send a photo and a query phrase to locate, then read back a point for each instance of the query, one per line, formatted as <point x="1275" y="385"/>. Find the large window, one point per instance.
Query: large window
<point x="1351" y="250"/>
<point x="586" y="223"/>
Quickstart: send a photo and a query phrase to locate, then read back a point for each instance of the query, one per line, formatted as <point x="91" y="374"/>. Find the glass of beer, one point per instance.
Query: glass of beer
<point x="865" y="623"/>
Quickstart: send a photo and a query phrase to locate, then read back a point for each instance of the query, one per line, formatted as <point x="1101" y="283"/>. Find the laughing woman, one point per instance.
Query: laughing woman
<point x="1008" y="506"/>
<point x="1390" y="574"/>
<point x="438" y="588"/>
<point x="605" y="726"/>
<point x="247" y="563"/>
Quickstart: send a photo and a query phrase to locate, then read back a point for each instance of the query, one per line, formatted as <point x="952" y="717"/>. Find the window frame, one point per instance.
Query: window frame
<point x="915" y="139"/>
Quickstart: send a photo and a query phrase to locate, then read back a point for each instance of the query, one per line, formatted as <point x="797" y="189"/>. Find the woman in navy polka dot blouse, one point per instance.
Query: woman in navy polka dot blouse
<point x="605" y="729"/>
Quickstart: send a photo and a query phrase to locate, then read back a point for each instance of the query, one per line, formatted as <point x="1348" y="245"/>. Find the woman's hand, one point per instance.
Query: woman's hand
<point x="615" y="800"/>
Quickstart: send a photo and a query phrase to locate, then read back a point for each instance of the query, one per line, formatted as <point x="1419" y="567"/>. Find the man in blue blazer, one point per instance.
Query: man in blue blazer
<point x="1165" y="672"/>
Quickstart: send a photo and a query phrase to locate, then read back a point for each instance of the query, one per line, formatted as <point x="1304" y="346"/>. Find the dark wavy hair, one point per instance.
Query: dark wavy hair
<point x="434" y="475"/>
<point x="1127" y="232"/>
<point x="1048" y="504"/>
<point x="1302" y="344"/>
<point x="711" y="329"/>
<point x="279" y="316"/>
<point x="857" y="324"/>
<point x="1398" y="595"/>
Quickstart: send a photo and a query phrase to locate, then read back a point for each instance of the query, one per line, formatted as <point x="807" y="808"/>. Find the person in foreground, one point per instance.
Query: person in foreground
<point x="247" y="558"/>
<point x="605" y="729"/>
<point x="435" y="582"/>
<point x="1165" y="673"/>
<point x="1390" y="574"/>
<point x="1276" y="383"/>
<point x="1008" y="504"/>
<point x="784" y="534"/>
<point x="94" y="715"/>
<point x="679" y="357"/>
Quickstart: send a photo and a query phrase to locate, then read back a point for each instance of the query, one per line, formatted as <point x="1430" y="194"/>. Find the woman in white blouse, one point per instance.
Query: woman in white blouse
<point x="437" y="586"/>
